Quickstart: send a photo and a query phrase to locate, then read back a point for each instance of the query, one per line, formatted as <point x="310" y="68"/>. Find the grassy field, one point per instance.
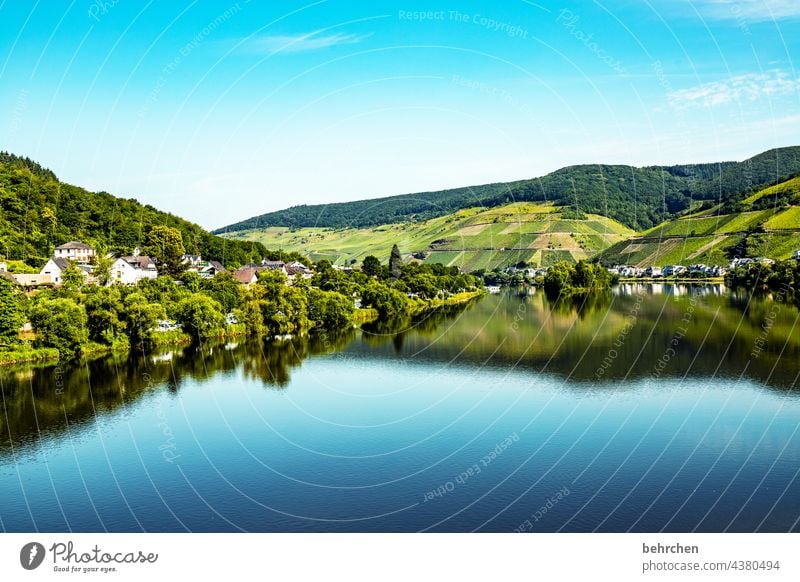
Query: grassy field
<point x="473" y="238"/>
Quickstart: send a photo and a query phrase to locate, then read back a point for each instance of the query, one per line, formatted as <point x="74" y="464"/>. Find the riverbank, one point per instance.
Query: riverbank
<point x="29" y="354"/>
<point x="26" y="354"/>
<point x="455" y="299"/>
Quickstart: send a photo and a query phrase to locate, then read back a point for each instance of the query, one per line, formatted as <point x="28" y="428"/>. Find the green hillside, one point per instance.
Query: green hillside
<point x="766" y="223"/>
<point x="472" y="238"/>
<point x="39" y="213"/>
<point x="637" y="197"/>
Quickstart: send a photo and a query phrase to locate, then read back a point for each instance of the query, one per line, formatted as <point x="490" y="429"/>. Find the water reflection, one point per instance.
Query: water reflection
<point x="675" y="289"/>
<point x="602" y="340"/>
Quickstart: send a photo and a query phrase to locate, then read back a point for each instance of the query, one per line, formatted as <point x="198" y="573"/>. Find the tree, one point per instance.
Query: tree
<point x="329" y="310"/>
<point x="250" y="315"/>
<point x="284" y="310"/>
<point x="73" y="279"/>
<point x="395" y="263"/>
<point x="12" y="312"/>
<point x="60" y="324"/>
<point x="103" y="306"/>
<point x="371" y="266"/>
<point x="102" y="270"/>
<point x="224" y="289"/>
<point x="200" y="316"/>
<point x="387" y="301"/>
<point x="558" y="279"/>
<point x="583" y="275"/>
<point x="272" y="282"/>
<point x="191" y="281"/>
<point x="165" y="244"/>
<point x="141" y="317"/>
<point x="423" y="284"/>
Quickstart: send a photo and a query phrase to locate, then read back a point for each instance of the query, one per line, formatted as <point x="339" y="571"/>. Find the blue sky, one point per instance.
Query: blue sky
<point x="218" y="111"/>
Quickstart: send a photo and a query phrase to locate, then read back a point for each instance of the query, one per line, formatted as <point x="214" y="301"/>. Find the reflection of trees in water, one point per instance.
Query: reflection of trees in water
<point x="48" y="400"/>
<point x="395" y="330"/>
<point x="584" y="304"/>
<point x="271" y="361"/>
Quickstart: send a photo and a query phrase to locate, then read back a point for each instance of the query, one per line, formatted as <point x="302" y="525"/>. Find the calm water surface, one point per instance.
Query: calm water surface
<point x="655" y="408"/>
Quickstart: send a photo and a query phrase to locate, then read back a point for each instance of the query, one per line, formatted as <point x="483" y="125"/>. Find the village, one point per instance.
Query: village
<point x="82" y="301"/>
<point x="694" y="271"/>
<point x="129" y="270"/>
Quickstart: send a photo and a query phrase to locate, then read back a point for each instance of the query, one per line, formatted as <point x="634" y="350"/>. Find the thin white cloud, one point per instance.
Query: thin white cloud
<point x="302" y="42"/>
<point x="749" y="10"/>
<point x="740" y="88"/>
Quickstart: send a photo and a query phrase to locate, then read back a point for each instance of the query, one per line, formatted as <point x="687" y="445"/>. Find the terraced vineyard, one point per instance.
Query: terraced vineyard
<point x="768" y="225"/>
<point x="472" y="238"/>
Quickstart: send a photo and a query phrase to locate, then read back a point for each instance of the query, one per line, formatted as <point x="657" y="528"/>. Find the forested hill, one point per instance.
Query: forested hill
<point x="38" y="213"/>
<point x="638" y="197"/>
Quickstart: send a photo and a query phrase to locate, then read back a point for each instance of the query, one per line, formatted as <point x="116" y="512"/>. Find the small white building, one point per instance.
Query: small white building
<point x="131" y="270"/>
<point x="53" y="272"/>
<point x="191" y="262"/>
<point x="76" y="251"/>
<point x="54" y="268"/>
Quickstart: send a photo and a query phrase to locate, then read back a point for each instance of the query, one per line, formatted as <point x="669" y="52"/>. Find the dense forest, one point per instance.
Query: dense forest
<point x="39" y="213"/>
<point x="638" y="197"/>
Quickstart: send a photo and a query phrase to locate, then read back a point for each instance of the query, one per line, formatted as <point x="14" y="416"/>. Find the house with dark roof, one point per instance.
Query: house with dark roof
<point x="211" y="269"/>
<point x="76" y="251"/>
<point x="274" y="266"/>
<point x="297" y="269"/>
<point x="131" y="270"/>
<point x="191" y="262"/>
<point x="54" y="268"/>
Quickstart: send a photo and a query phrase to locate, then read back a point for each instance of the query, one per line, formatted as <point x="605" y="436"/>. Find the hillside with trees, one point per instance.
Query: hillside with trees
<point x="639" y="198"/>
<point x="38" y="212"/>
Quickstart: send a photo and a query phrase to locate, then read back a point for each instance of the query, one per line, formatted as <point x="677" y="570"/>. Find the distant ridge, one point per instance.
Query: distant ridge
<point x="640" y="198"/>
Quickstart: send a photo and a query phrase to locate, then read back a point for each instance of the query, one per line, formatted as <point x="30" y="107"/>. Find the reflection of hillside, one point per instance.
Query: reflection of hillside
<point x="626" y="336"/>
<point x="603" y="340"/>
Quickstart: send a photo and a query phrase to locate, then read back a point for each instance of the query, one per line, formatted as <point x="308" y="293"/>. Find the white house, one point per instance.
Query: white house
<point x="131" y="270"/>
<point x="76" y="251"/>
<point x="191" y="262"/>
<point x="53" y="272"/>
<point x="54" y="268"/>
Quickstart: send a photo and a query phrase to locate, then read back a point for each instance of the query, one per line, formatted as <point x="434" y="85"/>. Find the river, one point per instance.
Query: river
<point x="652" y="408"/>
